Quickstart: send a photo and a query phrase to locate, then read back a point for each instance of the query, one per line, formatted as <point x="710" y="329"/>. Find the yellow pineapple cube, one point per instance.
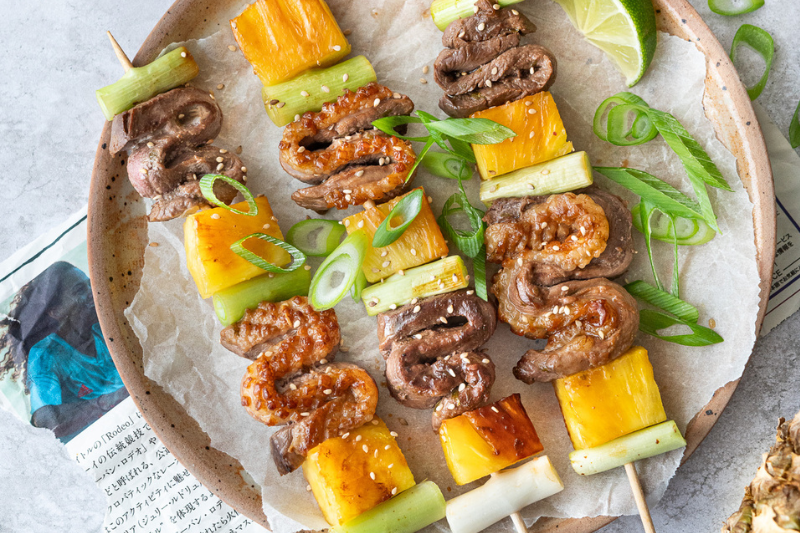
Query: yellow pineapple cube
<point x="609" y="401"/>
<point x="349" y="476"/>
<point x="420" y="243"/>
<point x="488" y="439"/>
<point x="540" y="136"/>
<point x="208" y="236"/>
<point x="283" y="38"/>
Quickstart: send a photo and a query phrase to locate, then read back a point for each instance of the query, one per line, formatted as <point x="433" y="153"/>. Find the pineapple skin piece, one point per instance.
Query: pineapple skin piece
<point x="540" y="136"/>
<point x="488" y="439"/>
<point x="610" y="401"/>
<point x="420" y="243"/>
<point x="208" y="236"/>
<point x="283" y="38"/>
<point x="339" y="472"/>
<point x="771" y="502"/>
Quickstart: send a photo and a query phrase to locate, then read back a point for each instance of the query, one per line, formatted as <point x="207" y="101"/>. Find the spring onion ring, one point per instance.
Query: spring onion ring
<point x="469" y="242"/>
<point x="761" y="42"/>
<point x="207" y="189"/>
<point x="479" y="270"/>
<point x="298" y="257"/>
<point x="447" y="166"/>
<point x="794" y="128"/>
<point x="690" y="231"/>
<point x="407" y="209"/>
<point x="732" y="7"/>
<point x="625" y="124"/>
<point x="315" y="237"/>
<point x="359" y="286"/>
<point x="338" y="272"/>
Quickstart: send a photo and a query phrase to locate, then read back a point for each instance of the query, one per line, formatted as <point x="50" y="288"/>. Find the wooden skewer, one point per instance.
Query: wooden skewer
<point x="638" y="495"/>
<point x="123" y="59"/>
<point x="516" y="518"/>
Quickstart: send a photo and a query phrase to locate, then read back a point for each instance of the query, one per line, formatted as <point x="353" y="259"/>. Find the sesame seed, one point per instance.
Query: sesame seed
<point x="150" y="144"/>
<point x="496" y="7"/>
<point x="495" y="409"/>
<point x="401" y="272"/>
<point x="337" y="47"/>
<point x="415" y="300"/>
<point x="301" y="149"/>
<point x="574" y="238"/>
<point x="308" y="488"/>
<point x="292" y="386"/>
<point x="244" y="169"/>
<point x="566" y="310"/>
<point x="485" y="361"/>
<point x="531" y="111"/>
<point x="418" y="336"/>
<point x="545" y="172"/>
<point x="221" y="86"/>
<point x="212" y="96"/>
<point x="390" y="465"/>
<point x="392" y="306"/>
<point x="515" y="12"/>
<point x="220" y="159"/>
<point x="386" y="264"/>
<point x="359" y="173"/>
<point x="346" y="435"/>
<point x="143" y="171"/>
<point x="712" y="323"/>
<point x="462" y="387"/>
<point x="304" y="414"/>
<point x="183" y="54"/>
<point x="215" y="216"/>
<point x="325" y="89"/>
<point x="220" y="166"/>
<point x="494" y="71"/>
<point x="345" y="77"/>
<point x="416" y="309"/>
<point x="481" y="26"/>
<point x="601" y="334"/>
<point x="531" y="186"/>
<point x="397" y="96"/>
<point x="556" y="248"/>
<point x="304" y="93"/>
<point x="346" y="223"/>
<point x="439" y="407"/>
<point x="470" y="293"/>
<point x="348" y="197"/>
<point x="519" y="261"/>
<point x="296" y="323"/>
<point x="488" y="83"/>
<point x="280" y="104"/>
<point x="358" y="438"/>
<point x="154" y="245"/>
<point x="394" y="491"/>
<point x="347" y="32"/>
<point x="544" y="224"/>
<point x="494" y="188"/>
<point x="231" y="48"/>
<point x="423" y="81"/>
<point x="375" y="270"/>
<point x="450" y="371"/>
<point x="464" y="356"/>
<point x="475" y="9"/>
<point x="376" y="453"/>
<point x="413" y="251"/>
<point x="306" y="267"/>
<point x="360" y="224"/>
<point x="393" y="433"/>
<point x="365" y="448"/>
<point x="564" y="288"/>
<point x="443" y="320"/>
<point x="297" y="117"/>
<point x="461" y="35"/>
<point x="384" y="253"/>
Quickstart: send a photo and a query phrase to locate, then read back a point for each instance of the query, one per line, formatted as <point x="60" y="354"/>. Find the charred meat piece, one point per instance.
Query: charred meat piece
<point x="338" y="152"/>
<point x="429" y="347"/>
<point x="581" y="235"/>
<point x="586" y="323"/>
<point x="484" y="64"/>
<point x="291" y="380"/>
<point x="167" y="141"/>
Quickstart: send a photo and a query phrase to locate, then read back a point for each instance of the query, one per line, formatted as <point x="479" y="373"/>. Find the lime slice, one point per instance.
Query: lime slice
<point x="624" y="29"/>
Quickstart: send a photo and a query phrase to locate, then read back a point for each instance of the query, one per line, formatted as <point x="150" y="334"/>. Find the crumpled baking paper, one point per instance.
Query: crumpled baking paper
<point x="179" y="332"/>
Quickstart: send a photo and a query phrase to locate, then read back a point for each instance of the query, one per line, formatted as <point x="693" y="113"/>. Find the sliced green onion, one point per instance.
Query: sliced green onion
<point x="207" y="189"/>
<point x="648" y="442"/>
<point x="339" y="271"/>
<point x="388" y="125"/>
<point x="140" y="84"/>
<point x="231" y="303"/>
<point x="651" y="322"/>
<point x="563" y="174"/>
<point x="443" y="12"/>
<point x="407" y="209"/>
<point x="469" y="242"/>
<point x="408" y="512"/>
<point x="316" y="237"/>
<point x="479" y="269"/>
<point x="305" y="92"/>
<point x="645" y="292"/>
<point x="472" y="130"/>
<point x="690" y="231"/>
<point x="734" y="7"/>
<point x="445" y="275"/>
<point x="760" y="41"/>
<point x="794" y="128"/>
<point x="298" y="258"/>
<point x="447" y="166"/>
<point x="620" y="127"/>
<point x="358" y="286"/>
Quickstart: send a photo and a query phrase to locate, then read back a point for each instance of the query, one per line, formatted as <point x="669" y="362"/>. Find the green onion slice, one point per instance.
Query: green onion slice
<point x="388" y="124"/>
<point x="407" y="209"/>
<point x="479" y="270"/>
<point x="651" y="322"/>
<point x="641" y="290"/>
<point x="447" y="166"/>
<point x="684" y="231"/>
<point x="358" y="286"/>
<point x="760" y="41"/>
<point x="298" y="257"/>
<point x="734" y="7"/>
<point x="472" y="130"/>
<point x="207" y="189"/>
<point x="794" y="128"/>
<point x="339" y="271"/>
<point x="625" y="124"/>
<point x="316" y="237"/>
<point x="469" y="242"/>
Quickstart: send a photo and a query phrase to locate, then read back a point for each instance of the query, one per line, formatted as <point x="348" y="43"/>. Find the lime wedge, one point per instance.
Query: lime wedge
<point x="624" y="29"/>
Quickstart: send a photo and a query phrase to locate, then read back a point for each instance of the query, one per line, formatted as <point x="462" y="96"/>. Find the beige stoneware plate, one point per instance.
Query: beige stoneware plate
<point x="118" y="235"/>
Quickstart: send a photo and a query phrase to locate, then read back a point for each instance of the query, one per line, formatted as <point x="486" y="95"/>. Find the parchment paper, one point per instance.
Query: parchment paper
<point x="179" y="332"/>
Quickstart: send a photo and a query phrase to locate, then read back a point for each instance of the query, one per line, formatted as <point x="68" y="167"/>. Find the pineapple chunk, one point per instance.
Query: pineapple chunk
<point x="609" y="401"/>
<point x="540" y="136"/>
<point x="488" y="439"/>
<point x="208" y="236"/>
<point x="420" y="243"/>
<point x="340" y="472"/>
<point x="283" y="38"/>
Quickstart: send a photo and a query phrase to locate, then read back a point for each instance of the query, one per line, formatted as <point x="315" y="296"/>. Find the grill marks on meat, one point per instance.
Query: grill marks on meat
<point x="484" y="65"/>
<point x="167" y="139"/>
<point x="338" y="152"/>
<point x="586" y="323"/>
<point x="430" y="351"/>
<point x="292" y="381"/>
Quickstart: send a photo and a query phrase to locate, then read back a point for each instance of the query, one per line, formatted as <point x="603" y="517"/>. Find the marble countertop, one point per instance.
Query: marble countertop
<point x="55" y="58"/>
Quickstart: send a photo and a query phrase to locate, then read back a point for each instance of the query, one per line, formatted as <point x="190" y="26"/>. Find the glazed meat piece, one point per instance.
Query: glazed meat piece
<point x="586" y="323"/>
<point x="484" y="64"/>
<point x="591" y="229"/>
<point x="292" y="381"/>
<point x="430" y="351"/>
<point x="167" y="139"/>
<point x="338" y="152"/>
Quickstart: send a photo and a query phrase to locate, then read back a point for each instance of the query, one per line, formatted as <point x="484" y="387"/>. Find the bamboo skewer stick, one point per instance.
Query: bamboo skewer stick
<point x="120" y="53"/>
<point x="638" y="495"/>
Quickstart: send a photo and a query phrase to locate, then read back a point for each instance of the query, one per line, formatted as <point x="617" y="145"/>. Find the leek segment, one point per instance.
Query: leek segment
<point x="443" y="12"/>
<point x="338" y="272"/>
<point x="563" y="174"/>
<point x="230" y="304"/>
<point x="306" y="92"/>
<point x="315" y="237"/>
<point x="445" y="275"/>
<point x="140" y="84"/>
<point x="648" y="442"/>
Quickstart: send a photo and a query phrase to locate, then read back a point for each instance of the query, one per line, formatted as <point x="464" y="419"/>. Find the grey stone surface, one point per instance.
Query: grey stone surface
<point x="56" y="54"/>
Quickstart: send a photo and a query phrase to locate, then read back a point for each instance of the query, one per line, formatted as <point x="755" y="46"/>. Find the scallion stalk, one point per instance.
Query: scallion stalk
<point x="311" y="89"/>
<point x="445" y="275"/>
<point x="686" y="231"/>
<point x="231" y="303"/>
<point x="139" y="84"/>
<point x="648" y="442"/>
<point x="563" y="174"/>
<point x="443" y="12"/>
<point x="641" y="290"/>
<point x="316" y="237"/>
<point x="338" y="272"/>
<point x="358" y="286"/>
<point x="207" y="189"/>
<point x="447" y="166"/>
<point x="651" y="322"/>
<point x="407" y="210"/>
<point x="408" y="512"/>
<point x="734" y="7"/>
<point x="761" y="41"/>
<point x="794" y="128"/>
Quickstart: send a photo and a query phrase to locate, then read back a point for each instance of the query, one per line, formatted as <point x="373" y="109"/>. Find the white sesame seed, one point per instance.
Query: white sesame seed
<point x="394" y="491"/>
<point x="308" y="488"/>
<point x="556" y="248"/>
<point x="384" y="253"/>
<point x="375" y="270"/>
<point x="426" y="69"/>
<point x="345" y="77"/>
<point x="488" y="83"/>
<point x="297" y="117"/>
<point x="566" y="310"/>
<point x="415" y="300"/>
<point x="376" y="102"/>
<point x="531" y="111"/>
<point x="183" y="54"/>
<point x="346" y="435"/>
<point x="416" y="309"/>
<point x="220" y="166"/>
<point x="461" y="35"/>
<point x="376" y="453"/>
<point x="325" y="89"/>
<point x="301" y="149"/>
<point x="439" y="407"/>
<point x="337" y="47"/>
<point x="358" y="438"/>
<point x="494" y="188"/>
<point x="564" y="288"/>
<point x="244" y="169"/>
<point x="386" y="264"/>
<point x="307" y="267"/>
<point x="470" y="293"/>
<point x="583" y="230"/>
<point x="418" y="336"/>
<point x="231" y="48"/>
<point x="462" y="387"/>
<point x="360" y="224"/>
<point x="464" y="356"/>
<point x="142" y="171"/>
<point x="220" y="159"/>
<point x="423" y="81"/>
<point x="365" y="448"/>
<point x="443" y="320"/>
<point x="495" y="409"/>
<point x="303" y="414"/>
<point x="485" y="361"/>
<point x="150" y="144"/>
<point x="413" y="251"/>
<point x="450" y="371"/>
<point x="496" y="7"/>
<point x="348" y="197"/>
<point x="475" y="9"/>
<point x="519" y="261"/>
<point x="292" y="386"/>
<point x="515" y="12"/>
<point x="545" y="172"/>
<point x="296" y="323"/>
<point x="531" y="186"/>
<point x="481" y="26"/>
<point x="304" y="93"/>
<point x="393" y="433"/>
<point x="397" y="96"/>
<point x="215" y="216"/>
<point x="494" y="71"/>
<point x="359" y="173"/>
<point x="346" y="223"/>
<point x="390" y="465"/>
<point x="392" y="306"/>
